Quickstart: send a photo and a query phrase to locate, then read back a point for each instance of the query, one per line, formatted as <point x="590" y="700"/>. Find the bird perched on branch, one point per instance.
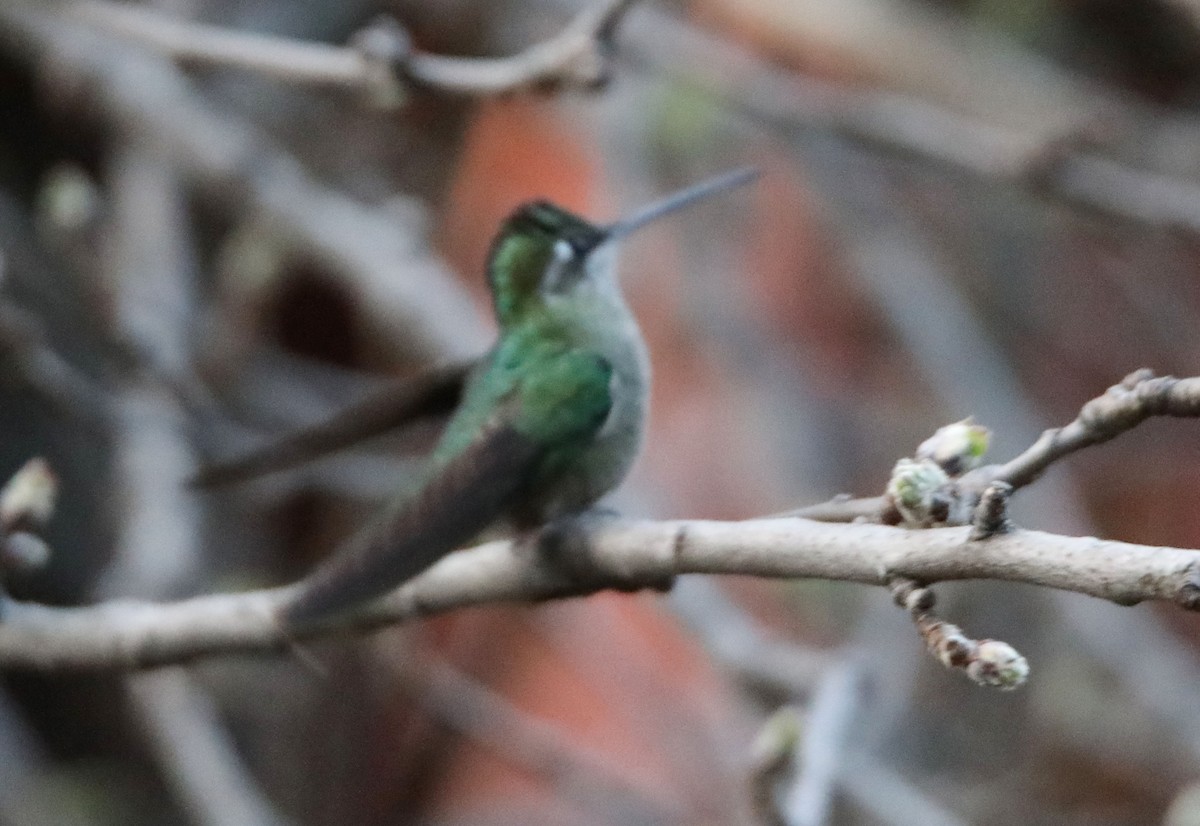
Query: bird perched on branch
<point x="541" y="427"/>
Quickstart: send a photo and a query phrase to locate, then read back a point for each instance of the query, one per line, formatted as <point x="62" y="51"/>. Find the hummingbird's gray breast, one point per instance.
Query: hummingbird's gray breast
<point x="617" y="445"/>
<point x="606" y="326"/>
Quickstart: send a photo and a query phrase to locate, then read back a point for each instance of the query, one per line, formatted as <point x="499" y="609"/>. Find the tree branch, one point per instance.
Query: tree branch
<point x="630" y="555"/>
<point x="379" y="58"/>
<point x="621" y="554"/>
<point x="1122" y="407"/>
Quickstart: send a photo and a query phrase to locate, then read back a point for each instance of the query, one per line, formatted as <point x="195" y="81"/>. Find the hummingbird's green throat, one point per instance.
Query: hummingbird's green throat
<point x="547" y="422"/>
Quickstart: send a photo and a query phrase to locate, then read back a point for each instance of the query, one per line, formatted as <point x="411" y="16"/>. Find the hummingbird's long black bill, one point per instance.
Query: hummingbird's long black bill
<point x="679" y="200"/>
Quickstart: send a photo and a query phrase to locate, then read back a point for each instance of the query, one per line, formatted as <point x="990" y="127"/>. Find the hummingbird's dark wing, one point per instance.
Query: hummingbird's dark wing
<point x="452" y="508"/>
<point x="533" y="430"/>
<point x="435" y="392"/>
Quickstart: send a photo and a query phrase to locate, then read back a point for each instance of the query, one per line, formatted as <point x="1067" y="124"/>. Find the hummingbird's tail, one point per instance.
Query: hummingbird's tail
<point x="456" y="505"/>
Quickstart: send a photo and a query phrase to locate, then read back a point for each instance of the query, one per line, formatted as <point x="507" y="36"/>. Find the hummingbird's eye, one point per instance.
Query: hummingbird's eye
<point x="562" y="255"/>
<point x="582" y="243"/>
<point x="564" y="251"/>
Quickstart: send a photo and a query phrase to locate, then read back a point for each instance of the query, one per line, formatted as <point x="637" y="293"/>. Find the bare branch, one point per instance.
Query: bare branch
<point x="1060" y="164"/>
<point x="379" y="59"/>
<point x="1123" y="407"/>
<point x="843" y="508"/>
<point x="577" y="57"/>
<point x="195" y="43"/>
<point x="624" y="555"/>
<point x="631" y="555"/>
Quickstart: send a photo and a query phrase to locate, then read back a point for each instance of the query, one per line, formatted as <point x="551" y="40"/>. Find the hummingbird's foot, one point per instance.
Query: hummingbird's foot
<point x="565" y="543"/>
<point x="594" y="514"/>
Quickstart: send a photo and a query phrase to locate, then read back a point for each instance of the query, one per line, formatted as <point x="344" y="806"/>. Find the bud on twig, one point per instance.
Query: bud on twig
<point x="26" y="502"/>
<point x="23" y="552"/>
<point x="990" y="663"/>
<point x="28" y="498"/>
<point x="917" y="489"/>
<point x="958" y="447"/>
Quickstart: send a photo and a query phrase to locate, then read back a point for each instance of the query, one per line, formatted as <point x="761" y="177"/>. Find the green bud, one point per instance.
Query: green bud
<point x="957" y="447"/>
<point x="914" y="487"/>
<point x="780" y="735"/>
<point x="999" y="665"/>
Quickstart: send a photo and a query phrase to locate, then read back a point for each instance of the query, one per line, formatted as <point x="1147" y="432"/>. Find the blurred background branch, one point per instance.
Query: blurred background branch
<point x="380" y="59"/>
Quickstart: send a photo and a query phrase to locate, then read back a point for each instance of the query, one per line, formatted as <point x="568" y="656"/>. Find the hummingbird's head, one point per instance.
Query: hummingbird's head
<point x="541" y="249"/>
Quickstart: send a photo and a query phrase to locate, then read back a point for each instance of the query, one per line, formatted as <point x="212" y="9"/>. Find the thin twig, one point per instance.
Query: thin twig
<point x="579" y="57"/>
<point x="1122" y="407"/>
<point x="379" y="58"/>
<point x="842" y="508"/>
<point x="194" y="43"/>
<point x="987" y="662"/>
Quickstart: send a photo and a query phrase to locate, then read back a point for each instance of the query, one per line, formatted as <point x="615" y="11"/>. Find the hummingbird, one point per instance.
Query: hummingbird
<point x="540" y="428"/>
